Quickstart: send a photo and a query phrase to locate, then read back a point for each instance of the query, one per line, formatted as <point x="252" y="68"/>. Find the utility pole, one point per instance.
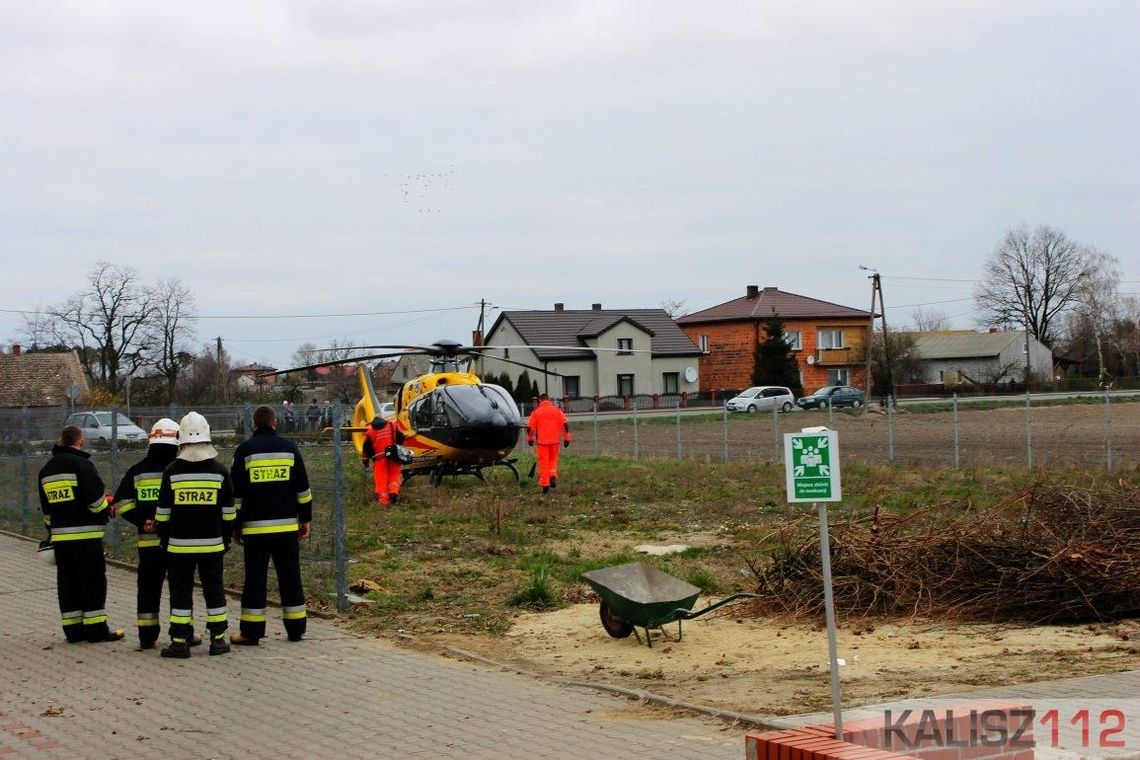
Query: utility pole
<point x="221" y="372"/>
<point x="479" y="336"/>
<point x="877" y="295"/>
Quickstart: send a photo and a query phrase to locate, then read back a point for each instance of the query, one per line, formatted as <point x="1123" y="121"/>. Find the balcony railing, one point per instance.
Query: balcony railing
<point x="838" y="356"/>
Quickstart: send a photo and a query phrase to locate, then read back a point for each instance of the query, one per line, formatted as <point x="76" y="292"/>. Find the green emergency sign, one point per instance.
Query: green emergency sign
<point x="811" y="465"/>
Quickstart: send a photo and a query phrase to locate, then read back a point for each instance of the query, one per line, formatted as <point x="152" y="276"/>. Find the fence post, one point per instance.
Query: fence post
<point x="724" y="411"/>
<point x="680" y="448"/>
<point x="776" y="447"/>
<point x="636" y="440"/>
<point x="1028" y="429"/>
<point x="1107" y="431"/>
<point x="341" y="549"/>
<point x="830" y="418"/>
<point x="957" y="435"/>
<point x="112" y="524"/>
<point x="27" y="465"/>
<point x="890" y="431"/>
<point x="247" y="419"/>
<point x="595" y="427"/>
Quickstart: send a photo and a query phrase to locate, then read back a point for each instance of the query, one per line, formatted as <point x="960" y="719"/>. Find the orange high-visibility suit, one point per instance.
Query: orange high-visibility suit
<point x="547" y="427"/>
<point x="379" y="441"/>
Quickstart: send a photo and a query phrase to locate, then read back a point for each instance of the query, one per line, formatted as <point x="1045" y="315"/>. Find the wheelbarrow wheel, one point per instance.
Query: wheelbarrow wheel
<point x="614" y="626"/>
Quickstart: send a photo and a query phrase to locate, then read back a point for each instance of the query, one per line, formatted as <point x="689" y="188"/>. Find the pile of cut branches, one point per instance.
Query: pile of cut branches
<point x="1051" y="554"/>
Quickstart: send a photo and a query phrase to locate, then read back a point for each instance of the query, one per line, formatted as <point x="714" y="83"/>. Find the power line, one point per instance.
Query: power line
<point x="294" y="316"/>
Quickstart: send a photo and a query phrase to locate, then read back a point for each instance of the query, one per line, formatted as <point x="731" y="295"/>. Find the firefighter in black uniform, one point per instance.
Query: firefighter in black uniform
<point x="195" y="513"/>
<point x="275" y="507"/>
<point x="76" y="511"/>
<point x="135" y="501"/>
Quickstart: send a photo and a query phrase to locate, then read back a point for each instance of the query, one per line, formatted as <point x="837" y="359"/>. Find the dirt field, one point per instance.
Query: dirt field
<point x="1061" y="435"/>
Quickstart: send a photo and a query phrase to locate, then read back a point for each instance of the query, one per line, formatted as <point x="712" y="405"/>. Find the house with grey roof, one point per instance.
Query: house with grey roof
<point x="954" y="357"/>
<point x="596" y="352"/>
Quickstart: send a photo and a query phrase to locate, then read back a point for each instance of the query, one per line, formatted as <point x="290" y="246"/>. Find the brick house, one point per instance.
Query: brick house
<point x="830" y="341"/>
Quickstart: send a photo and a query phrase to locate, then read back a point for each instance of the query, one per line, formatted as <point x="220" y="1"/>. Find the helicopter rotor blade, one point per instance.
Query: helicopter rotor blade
<point x="481" y="349"/>
<point x="334" y="363"/>
<point x="536" y="368"/>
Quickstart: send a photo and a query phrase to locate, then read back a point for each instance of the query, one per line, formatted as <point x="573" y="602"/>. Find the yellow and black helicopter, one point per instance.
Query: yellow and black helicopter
<point x="453" y="422"/>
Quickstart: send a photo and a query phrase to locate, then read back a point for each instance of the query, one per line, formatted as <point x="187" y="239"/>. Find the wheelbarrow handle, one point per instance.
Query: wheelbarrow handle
<point x="683" y="614"/>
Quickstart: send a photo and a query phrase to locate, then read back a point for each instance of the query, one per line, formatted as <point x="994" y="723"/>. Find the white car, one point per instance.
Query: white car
<point x="763" y="398"/>
<point x="96" y="426"/>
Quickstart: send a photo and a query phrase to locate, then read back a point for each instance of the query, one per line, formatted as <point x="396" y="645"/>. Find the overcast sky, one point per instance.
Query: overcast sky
<point x="313" y="158"/>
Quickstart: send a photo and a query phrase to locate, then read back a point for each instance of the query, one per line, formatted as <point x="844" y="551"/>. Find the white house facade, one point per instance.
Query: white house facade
<point x="596" y="352"/>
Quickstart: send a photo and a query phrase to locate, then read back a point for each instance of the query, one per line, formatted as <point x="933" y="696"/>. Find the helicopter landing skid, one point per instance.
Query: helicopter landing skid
<point x="440" y="470"/>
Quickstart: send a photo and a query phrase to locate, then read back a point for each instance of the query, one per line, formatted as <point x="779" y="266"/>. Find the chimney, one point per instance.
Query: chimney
<point x="596" y="306"/>
<point x="17" y="349"/>
<point x="753" y="291"/>
<point x="560" y="307"/>
<point x="476" y="338"/>
<point x="993" y="330"/>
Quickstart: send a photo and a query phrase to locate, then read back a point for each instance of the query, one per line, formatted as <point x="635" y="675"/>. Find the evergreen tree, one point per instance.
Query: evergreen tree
<point x="774" y="363"/>
<point x="504" y="380"/>
<point x="523" y="387"/>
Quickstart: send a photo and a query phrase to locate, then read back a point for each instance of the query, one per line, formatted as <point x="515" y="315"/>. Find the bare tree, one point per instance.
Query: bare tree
<point x="929" y="320"/>
<point x="674" y="308"/>
<point x="105" y="323"/>
<point x="1099" y="302"/>
<point x="170" y="331"/>
<point x="1032" y="277"/>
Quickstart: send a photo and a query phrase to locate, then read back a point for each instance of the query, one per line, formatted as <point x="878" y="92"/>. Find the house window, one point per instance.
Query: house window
<point x="704" y="344"/>
<point x="571" y="386"/>
<point x="625" y="385"/>
<point x="506" y="353"/>
<point x="837" y="376"/>
<point x="625" y="345"/>
<point x="671" y="382"/>
<point x="794" y="338"/>
<point x="831" y="338"/>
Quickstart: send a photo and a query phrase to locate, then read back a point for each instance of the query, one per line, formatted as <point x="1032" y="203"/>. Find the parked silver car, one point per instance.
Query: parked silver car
<point x="763" y="398"/>
<point x="96" y="426"/>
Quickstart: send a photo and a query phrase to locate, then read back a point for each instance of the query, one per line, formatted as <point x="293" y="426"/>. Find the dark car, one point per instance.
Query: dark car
<point x="832" y="395"/>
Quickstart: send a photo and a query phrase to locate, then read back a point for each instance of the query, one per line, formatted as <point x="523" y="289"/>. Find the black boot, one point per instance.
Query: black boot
<point x="219" y="645"/>
<point x="108" y="635"/>
<point x="553" y="481"/>
<point x="177" y="649"/>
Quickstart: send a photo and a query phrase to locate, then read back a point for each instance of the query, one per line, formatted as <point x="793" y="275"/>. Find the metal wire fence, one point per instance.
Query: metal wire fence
<point x="1094" y="431"/>
<point x="25" y="445"/>
<point x="1100" y="430"/>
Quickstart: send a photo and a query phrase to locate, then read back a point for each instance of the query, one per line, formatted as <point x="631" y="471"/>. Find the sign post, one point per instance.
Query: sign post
<point x="811" y="468"/>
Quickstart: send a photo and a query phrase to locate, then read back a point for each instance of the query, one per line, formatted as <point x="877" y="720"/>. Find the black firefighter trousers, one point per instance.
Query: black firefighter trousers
<point x="284" y="550"/>
<point x="180" y="573"/>
<point x="81" y="584"/>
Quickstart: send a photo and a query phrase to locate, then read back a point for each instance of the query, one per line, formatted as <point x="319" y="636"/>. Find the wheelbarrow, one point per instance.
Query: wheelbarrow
<point x="639" y="595"/>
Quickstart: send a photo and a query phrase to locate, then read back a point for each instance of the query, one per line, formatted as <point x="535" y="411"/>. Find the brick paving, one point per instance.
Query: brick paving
<point x="334" y="694"/>
<point x="340" y="694"/>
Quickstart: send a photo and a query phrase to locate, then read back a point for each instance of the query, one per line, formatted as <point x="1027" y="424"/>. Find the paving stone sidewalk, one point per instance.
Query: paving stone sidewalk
<point x="334" y="694"/>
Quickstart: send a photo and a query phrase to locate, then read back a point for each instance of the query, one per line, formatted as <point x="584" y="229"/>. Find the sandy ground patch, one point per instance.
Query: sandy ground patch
<point x="765" y="666"/>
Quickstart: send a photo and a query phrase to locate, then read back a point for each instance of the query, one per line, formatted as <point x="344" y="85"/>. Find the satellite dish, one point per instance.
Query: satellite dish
<point x="690" y="374"/>
<point x="811" y="359"/>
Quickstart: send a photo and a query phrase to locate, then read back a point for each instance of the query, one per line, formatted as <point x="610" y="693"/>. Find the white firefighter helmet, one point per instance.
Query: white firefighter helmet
<point x="164" y="431"/>
<point x="194" y="438"/>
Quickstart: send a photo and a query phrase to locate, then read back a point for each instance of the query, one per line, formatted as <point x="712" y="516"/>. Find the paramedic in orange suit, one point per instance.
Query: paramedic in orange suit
<point x="380" y="443"/>
<point x="547" y="427"/>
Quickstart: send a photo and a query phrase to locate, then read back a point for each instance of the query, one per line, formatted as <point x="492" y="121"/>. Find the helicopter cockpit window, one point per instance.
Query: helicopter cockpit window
<point x="477" y="404"/>
<point x="420" y="412"/>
